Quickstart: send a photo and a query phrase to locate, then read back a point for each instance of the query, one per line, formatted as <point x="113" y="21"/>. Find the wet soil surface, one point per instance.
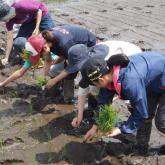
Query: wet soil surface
<point x="35" y="126"/>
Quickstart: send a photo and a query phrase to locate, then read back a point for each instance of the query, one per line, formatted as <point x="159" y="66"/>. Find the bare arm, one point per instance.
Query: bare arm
<point x="81" y="104"/>
<point x="38" y="21"/>
<point x="8" y="47"/>
<point x="58" y="78"/>
<point x="47" y="65"/>
<point x="17" y="74"/>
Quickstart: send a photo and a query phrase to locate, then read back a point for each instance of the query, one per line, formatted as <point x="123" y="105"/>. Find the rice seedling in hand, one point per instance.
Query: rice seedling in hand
<point x="41" y="81"/>
<point x="25" y="55"/>
<point x="107" y="118"/>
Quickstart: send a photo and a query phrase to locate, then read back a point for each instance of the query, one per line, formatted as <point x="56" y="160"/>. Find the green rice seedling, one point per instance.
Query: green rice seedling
<point x="41" y="81"/>
<point x="107" y="118"/>
<point x="25" y="54"/>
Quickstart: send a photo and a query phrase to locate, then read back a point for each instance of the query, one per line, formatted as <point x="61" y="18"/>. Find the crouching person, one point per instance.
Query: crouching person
<point x="135" y="79"/>
<point x="32" y="49"/>
<point x="112" y="47"/>
<point x="61" y="39"/>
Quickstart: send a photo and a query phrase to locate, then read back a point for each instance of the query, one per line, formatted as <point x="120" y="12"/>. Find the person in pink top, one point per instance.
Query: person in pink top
<point x="31" y="14"/>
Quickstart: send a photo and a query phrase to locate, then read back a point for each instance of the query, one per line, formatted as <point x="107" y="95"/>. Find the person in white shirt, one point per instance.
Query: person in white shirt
<point x="114" y="47"/>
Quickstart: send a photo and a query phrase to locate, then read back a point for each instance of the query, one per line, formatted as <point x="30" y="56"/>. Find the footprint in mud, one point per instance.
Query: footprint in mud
<point x="150" y="6"/>
<point x="115" y="35"/>
<point x="77" y="21"/>
<point x="102" y="29"/>
<point x="119" y="8"/>
<point x="64" y="14"/>
<point x="137" y="8"/>
<point x="148" y="12"/>
<point x="3" y="73"/>
<point x="10" y="141"/>
<point x="11" y="161"/>
<point x="3" y="32"/>
<point x="141" y="26"/>
<point x="102" y="11"/>
<point x="84" y="12"/>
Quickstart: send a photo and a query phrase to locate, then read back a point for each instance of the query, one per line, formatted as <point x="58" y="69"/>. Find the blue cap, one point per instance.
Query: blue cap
<point x="79" y="54"/>
<point x="19" y="44"/>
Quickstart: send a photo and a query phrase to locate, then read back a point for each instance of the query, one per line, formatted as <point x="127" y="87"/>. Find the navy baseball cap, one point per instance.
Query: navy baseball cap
<point x="79" y="54"/>
<point x="92" y="69"/>
<point x="6" y="12"/>
<point x="19" y="44"/>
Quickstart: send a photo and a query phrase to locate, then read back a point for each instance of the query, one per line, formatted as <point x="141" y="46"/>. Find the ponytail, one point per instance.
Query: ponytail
<point x="118" y="59"/>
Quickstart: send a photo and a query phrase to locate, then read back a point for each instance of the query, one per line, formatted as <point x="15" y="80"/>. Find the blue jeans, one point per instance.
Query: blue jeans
<point x="27" y="29"/>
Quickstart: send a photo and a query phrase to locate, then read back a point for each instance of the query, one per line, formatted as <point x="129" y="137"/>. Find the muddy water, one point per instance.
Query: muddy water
<point x="35" y="129"/>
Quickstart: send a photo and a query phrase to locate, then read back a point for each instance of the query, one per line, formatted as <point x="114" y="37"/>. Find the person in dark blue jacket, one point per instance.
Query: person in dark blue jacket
<point x="60" y="39"/>
<point x="140" y="79"/>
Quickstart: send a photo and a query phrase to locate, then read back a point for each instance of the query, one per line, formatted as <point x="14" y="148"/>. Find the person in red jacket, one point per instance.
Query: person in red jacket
<point x="33" y="48"/>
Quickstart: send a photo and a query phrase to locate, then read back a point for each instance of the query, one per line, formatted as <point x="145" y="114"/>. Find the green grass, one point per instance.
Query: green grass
<point x="107" y="119"/>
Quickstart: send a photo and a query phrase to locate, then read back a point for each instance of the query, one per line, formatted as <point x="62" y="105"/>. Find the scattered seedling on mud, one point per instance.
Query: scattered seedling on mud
<point x="30" y="109"/>
<point x="107" y="118"/>
<point x="62" y="154"/>
<point x="2" y="148"/>
<point x="13" y="94"/>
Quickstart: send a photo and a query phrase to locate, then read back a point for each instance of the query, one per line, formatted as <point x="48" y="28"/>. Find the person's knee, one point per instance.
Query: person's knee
<point x="160" y="124"/>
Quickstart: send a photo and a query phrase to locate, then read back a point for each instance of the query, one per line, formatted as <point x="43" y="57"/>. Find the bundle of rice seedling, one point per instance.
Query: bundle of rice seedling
<point x="41" y="81"/>
<point x="107" y="118"/>
<point x="25" y="55"/>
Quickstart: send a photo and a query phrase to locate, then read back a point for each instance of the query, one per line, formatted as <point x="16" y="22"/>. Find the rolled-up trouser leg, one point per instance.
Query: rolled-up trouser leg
<point x="160" y="115"/>
<point x="68" y="87"/>
<point x="143" y="134"/>
<point x="56" y="69"/>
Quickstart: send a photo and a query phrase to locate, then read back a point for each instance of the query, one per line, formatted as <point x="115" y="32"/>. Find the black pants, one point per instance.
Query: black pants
<point x="156" y="108"/>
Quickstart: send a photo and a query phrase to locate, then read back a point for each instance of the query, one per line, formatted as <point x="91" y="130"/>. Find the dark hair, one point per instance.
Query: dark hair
<point x="48" y="36"/>
<point x="118" y="59"/>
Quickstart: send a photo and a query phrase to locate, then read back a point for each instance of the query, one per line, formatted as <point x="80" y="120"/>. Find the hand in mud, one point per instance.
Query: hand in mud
<point x="36" y="31"/>
<point x="115" y="131"/>
<point x="4" y="61"/>
<point x="76" y="121"/>
<point x="50" y="83"/>
<point x="91" y="133"/>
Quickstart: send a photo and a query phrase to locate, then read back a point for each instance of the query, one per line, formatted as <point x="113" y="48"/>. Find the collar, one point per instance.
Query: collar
<point x="116" y="85"/>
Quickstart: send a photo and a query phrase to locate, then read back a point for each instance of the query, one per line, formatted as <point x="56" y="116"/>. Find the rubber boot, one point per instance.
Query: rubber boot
<point x="143" y="137"/>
